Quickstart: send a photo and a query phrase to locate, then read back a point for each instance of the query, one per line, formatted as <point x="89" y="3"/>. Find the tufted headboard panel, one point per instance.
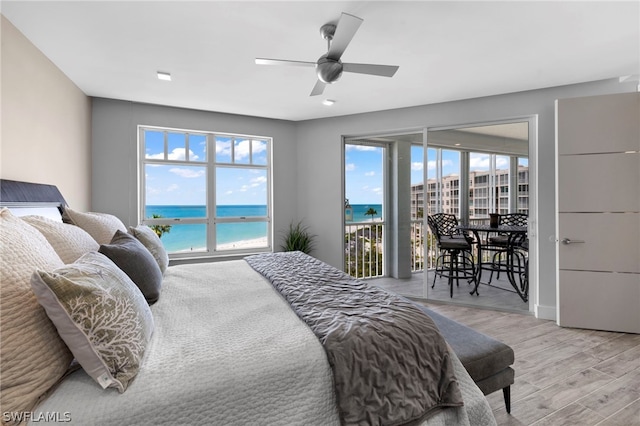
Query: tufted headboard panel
<point x="25" y="198"/>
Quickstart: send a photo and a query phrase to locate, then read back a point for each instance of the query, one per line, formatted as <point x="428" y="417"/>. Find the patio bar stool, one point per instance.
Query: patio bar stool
<point x="455" y="259"/>
<point x="505" y="257"/>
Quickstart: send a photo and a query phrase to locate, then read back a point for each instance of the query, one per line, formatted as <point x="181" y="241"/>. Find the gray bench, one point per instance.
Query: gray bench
<point x="487" y="360"/>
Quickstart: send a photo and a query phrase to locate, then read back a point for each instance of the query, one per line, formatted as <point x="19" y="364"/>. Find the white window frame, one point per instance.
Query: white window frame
<point x="210" y="165"/>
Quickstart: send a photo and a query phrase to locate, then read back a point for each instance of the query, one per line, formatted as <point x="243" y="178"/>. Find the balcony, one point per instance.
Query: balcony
<point x="364" y="243"/>
<point x="364" y="246"/>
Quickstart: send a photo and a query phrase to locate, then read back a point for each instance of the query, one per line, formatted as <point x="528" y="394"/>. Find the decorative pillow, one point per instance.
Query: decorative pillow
<point x="152" y="242"/>
<point x="33" y="357"/>
<point x="100" y="314"/>
<point x="135" y="260"/>
<point x="69" y="241"/>
<point x="101" y="226"/>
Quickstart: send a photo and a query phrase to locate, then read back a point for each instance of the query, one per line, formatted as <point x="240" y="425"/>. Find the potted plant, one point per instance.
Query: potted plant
<point x="298" y="238"/>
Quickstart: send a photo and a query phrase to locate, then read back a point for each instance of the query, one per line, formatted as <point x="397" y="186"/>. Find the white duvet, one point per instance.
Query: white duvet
<point x="227" y="350"/>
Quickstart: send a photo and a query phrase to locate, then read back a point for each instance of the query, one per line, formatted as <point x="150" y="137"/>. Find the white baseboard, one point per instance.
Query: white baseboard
<point x="546" y="312"/>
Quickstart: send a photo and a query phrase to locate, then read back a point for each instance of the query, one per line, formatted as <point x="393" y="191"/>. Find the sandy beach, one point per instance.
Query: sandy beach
<point x="236" y="245"/>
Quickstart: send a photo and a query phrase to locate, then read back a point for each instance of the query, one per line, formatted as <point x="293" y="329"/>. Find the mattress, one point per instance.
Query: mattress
<point x="227" y="349"/>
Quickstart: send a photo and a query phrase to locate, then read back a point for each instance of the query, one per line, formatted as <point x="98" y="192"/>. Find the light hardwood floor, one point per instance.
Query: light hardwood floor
<point x="563" y="376"/>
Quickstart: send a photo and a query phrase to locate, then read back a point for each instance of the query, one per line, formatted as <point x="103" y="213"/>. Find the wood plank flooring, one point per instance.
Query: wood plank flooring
<point x="564" y="376"/>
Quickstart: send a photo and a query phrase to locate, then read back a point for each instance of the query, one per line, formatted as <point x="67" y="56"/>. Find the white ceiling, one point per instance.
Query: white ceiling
<point x="446" y="50"/>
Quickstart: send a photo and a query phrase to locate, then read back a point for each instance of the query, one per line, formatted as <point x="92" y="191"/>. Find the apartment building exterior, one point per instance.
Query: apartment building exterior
<point x="486" y="195"/>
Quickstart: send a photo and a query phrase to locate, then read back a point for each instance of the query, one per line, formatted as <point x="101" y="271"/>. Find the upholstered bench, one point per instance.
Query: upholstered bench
<point x="487" y="360"/>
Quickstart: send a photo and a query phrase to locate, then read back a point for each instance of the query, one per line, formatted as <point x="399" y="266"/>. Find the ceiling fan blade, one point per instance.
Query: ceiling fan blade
<point x="318" y="88"/>
<point x="381" y="70"/>
<point x="265" y="61"/>
<point x="345" y="30"/>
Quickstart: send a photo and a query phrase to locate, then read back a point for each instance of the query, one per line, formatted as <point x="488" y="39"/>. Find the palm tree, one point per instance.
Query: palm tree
<point x="371" y="212"/>
<point x="160" y="230"/>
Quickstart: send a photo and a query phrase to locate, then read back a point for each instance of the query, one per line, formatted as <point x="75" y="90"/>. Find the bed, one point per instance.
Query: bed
<point x="264" y="340"/>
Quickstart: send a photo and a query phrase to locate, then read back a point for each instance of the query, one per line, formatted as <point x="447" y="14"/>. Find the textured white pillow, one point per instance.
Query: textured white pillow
<point x="101" y="315"/>
<point x="152" y="242"/>
<point x="101" y="226"/>
<point x="33" y="357"/>
<point x="69" y="241"/>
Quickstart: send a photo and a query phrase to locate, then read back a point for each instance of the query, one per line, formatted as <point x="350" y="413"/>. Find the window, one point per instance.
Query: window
<point x="206" y="193"/>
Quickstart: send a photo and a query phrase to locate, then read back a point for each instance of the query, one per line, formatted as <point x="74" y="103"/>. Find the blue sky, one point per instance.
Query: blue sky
<point x="363" y="169"/>
<point x="363" y="174"/>
<point x="185" y="183"/>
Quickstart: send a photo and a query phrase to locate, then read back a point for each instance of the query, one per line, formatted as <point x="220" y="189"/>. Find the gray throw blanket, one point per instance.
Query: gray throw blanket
<point x="390" y="364"/>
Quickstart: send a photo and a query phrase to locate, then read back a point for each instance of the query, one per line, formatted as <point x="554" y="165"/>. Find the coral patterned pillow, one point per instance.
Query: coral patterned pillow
<point x="101" y="315"/>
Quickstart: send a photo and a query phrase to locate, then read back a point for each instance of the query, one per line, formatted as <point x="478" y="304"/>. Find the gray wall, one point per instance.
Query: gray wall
<point x="320" y="162"/>
<point x="307" y="165"/>
<point x="114" y="153"/>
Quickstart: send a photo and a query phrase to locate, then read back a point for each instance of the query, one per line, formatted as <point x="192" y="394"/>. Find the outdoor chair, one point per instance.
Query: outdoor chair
<point x="455" y="256"/>
<point x="508" y="252"/>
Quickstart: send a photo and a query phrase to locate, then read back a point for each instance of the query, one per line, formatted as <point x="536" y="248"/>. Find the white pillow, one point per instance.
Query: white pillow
<point x="69" y="241"/>
<point x="101" y="315"/>
<point x="33" y="357"/>
<point x="152" y="242"/>
<point x="101" y="226"/>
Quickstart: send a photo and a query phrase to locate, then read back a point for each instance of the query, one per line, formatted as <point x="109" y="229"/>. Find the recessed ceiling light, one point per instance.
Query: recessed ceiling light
<point x="328" y="102"/>
<point x="457" y="144"/>
<point x="164" y="76"/>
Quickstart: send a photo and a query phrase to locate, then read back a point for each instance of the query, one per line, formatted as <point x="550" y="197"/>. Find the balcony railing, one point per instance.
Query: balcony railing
<point x="363" y="245"/>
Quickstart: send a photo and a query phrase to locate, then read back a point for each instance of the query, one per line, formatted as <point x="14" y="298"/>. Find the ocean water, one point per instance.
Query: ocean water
<point x="186" y="237"/>
<point x="359" y="211"/>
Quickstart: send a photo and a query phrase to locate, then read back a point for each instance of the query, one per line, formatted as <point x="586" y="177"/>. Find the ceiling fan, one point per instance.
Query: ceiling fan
<point x="329" y="67"/>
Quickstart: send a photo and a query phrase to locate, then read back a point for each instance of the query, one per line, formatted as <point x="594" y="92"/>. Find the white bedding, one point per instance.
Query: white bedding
<point x="227" y="349"/>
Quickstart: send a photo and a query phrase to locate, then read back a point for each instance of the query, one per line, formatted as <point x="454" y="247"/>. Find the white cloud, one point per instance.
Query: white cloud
<point x="502" y="162"/>
<point x="416" y="166"/>
<point x="173" y="187"/>
<point x="178" y="154"/>
<point x="431" y="165"/>
<point x="187" y="173"/>
<point x="370" y="174"/>
<point x="242" y="149"/>
<point x="153" y="191"/>
<point x="349" y="167"/>
<point x="223" y="148"/>
<point x="479" y="162"/>
<point x="349" y="147"/>
<point x="258" y="181"/>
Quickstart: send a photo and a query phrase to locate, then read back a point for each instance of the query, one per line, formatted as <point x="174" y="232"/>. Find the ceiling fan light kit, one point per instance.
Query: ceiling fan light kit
<point x="329" y="67"/>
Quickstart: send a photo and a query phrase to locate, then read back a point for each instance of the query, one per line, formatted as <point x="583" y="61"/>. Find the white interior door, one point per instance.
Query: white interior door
<point x="598" y="212"/>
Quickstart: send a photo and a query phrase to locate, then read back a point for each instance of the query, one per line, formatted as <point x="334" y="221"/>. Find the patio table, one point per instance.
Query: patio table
<point x="514" y="233"/>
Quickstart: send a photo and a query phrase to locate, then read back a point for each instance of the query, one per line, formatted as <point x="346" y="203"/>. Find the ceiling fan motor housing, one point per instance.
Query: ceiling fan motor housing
<point x="327" y="31"/>
<point x="328" y="70"/>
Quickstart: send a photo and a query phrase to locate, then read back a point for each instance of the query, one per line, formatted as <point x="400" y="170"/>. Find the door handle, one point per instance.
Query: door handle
<point x="568" y="241"/>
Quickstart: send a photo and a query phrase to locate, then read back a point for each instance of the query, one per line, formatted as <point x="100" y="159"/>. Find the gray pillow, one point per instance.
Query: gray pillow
<point x="136" y="261"/>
